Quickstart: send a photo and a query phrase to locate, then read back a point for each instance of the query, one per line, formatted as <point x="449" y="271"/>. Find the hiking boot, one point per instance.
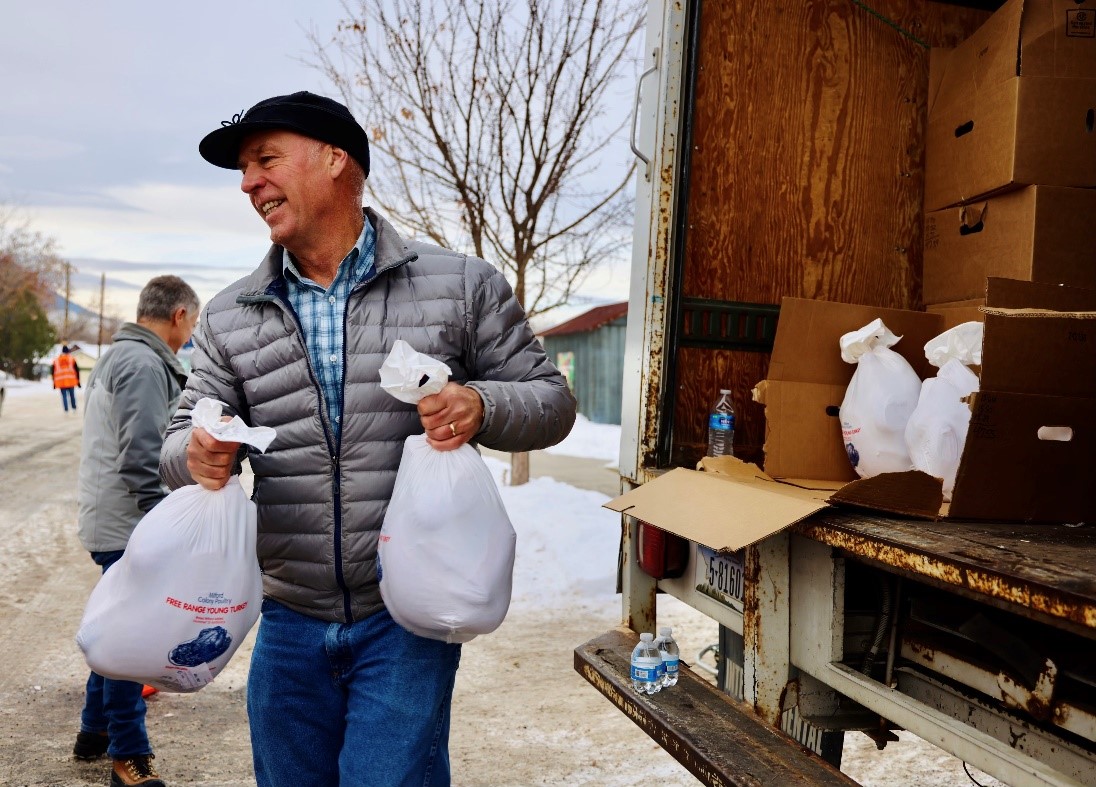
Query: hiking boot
<point x="135" y="770"/>
<point x="90" y="745"/>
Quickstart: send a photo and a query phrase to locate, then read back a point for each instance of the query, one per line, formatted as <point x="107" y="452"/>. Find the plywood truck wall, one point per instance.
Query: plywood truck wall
<point x="805" y="178"/>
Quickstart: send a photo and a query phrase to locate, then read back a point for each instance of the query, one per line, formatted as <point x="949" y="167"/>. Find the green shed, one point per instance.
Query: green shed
<point x="589" y="350"/>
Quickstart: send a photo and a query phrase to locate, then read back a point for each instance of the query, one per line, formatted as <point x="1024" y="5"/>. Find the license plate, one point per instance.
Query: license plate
<point x="719" y="576"/>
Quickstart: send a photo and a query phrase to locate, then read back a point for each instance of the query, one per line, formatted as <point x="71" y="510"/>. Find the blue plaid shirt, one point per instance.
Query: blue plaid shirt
<point x="322" y="313"/>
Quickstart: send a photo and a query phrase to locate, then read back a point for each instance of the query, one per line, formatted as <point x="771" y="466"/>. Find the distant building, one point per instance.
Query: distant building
<point x="589" y="350"/>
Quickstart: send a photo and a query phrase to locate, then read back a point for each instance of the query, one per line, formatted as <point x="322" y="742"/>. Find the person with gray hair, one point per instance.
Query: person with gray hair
<point x="338" y="693"/>
<point x="132" y="393"/>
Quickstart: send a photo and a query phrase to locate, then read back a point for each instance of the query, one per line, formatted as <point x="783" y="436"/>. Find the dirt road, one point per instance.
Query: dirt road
<point x="522" y="716"/>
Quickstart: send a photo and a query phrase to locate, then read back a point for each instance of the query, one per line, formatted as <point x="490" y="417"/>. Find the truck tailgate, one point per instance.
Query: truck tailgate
<point x="720" y="740"/>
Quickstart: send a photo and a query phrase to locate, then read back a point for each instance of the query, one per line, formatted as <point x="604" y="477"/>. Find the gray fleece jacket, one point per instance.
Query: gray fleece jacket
<point x="322" y="500"/>
<point x="132" y="393"/>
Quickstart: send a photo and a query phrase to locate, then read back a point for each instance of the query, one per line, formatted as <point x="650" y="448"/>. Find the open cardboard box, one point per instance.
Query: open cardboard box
<point x="1013" y="103"/>
<point x="1038" y="370"/>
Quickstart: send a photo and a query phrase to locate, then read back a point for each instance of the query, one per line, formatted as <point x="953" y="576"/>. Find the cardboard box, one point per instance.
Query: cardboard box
<point x="1039" y="371"/>
<point x="1031" y="38"/>
<point x="958" y="312"/>
<point x="1039" y="233"/>
<point x="1026" y="130"/>
<point x="1013" y="103"/>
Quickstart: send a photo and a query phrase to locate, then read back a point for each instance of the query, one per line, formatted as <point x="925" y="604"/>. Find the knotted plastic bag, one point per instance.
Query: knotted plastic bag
<point x="446" y="546"/>
<point x="878" y="402"/>
<point x="937" y="429"/>
<point x="176" y="606"/>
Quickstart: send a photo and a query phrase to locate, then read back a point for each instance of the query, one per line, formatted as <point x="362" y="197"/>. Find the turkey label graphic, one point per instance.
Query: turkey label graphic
<point x="182" y="598"/>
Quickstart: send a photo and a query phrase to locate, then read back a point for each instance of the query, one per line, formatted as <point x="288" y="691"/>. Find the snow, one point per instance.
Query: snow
<point x="595" y="441"/>
<point x="567" y="543"/>
<point x="19" y="388"/>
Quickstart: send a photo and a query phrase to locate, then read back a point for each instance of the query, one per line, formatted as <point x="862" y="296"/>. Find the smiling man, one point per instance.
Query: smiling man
<point x="338" y="693"/>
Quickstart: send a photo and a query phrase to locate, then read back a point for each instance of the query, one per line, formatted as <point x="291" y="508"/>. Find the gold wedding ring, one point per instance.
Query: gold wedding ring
<point x="452" y="429"/>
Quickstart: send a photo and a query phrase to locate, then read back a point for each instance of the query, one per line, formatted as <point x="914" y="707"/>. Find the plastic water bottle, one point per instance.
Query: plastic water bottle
<point x="646" y="666"/>
<point x="721" y="426"/>
<point x="671" y="656"/>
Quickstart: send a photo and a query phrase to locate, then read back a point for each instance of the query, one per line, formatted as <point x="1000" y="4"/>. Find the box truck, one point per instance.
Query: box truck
<point x="780" y="200"/>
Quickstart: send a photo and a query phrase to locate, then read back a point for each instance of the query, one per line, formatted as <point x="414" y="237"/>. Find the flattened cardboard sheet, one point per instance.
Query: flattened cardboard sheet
<point x="720" y="512"/>
<point x="910" y="494"/>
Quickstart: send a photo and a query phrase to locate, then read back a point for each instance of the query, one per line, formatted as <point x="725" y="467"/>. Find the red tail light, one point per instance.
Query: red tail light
<point x="662" y="555"/>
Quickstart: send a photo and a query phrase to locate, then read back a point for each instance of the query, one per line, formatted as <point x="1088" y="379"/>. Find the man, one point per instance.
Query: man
<point x="132" y="393"/>
<point x="66" y="377"/>
<point x="338" y="694"/>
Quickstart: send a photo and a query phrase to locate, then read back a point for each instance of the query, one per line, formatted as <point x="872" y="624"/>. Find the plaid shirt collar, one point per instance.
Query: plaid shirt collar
<point x="356" y="261"/>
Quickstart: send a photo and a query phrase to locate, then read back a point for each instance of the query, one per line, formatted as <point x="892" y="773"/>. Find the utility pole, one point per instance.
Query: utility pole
<point x="102" y="308"/>
<point x="68" y="294"/>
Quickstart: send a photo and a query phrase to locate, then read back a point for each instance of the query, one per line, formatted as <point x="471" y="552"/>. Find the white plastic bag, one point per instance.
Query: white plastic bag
<point x="447" y="546"/>
<point x="937" y="430"/>
<point x="176" y="606"/>
<point x="411" y="376"/>
<point x="962" y="343"/>
<point x="878" y="402"/>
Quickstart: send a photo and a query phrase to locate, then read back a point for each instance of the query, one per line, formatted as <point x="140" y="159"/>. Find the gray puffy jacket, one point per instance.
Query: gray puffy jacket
<point x="132" y="393"/>
<point x="321" y="501"/>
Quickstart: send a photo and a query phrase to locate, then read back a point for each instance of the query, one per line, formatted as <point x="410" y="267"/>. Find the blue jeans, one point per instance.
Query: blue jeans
<point x="364" y="704"/>
<point x="68" y="398"/>
<point x="115" y="706"/>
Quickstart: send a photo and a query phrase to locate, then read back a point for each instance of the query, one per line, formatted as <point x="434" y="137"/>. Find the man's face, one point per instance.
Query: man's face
<point x="286" y="178"/>
<point x="189" y="323"/>
<point x="182" y="328"/>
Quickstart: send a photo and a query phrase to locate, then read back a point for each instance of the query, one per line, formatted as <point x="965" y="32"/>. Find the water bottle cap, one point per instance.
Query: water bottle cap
<point x="665" y="631"/>
<point x="646" y="637"/>
<point x="724" y="390"/>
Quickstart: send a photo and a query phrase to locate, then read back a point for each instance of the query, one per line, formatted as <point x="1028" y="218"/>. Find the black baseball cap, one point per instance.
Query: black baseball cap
<point x="306" y="113"/>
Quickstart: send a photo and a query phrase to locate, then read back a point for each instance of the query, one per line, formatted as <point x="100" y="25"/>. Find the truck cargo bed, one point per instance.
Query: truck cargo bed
<point x="1043" y="571"/>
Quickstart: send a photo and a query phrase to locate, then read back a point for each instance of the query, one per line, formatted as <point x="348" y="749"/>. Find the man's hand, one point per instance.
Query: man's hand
<point x="210" y="460"/>
<point x="451" y="417"/>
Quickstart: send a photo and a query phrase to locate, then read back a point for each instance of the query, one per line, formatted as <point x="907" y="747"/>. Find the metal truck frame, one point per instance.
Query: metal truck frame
<point x="982" y="635"/>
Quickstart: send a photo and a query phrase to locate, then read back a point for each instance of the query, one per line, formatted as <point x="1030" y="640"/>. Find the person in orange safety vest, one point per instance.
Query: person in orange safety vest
<point x="66" y="378"/>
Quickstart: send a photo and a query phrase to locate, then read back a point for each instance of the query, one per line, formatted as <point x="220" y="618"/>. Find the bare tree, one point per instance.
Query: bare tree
<point x="28" y="259"/>
<point x="490" y="129"/>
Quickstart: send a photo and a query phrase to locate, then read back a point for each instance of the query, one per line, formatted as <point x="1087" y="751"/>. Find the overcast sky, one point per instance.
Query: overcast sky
<point x="104" y="105"/>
